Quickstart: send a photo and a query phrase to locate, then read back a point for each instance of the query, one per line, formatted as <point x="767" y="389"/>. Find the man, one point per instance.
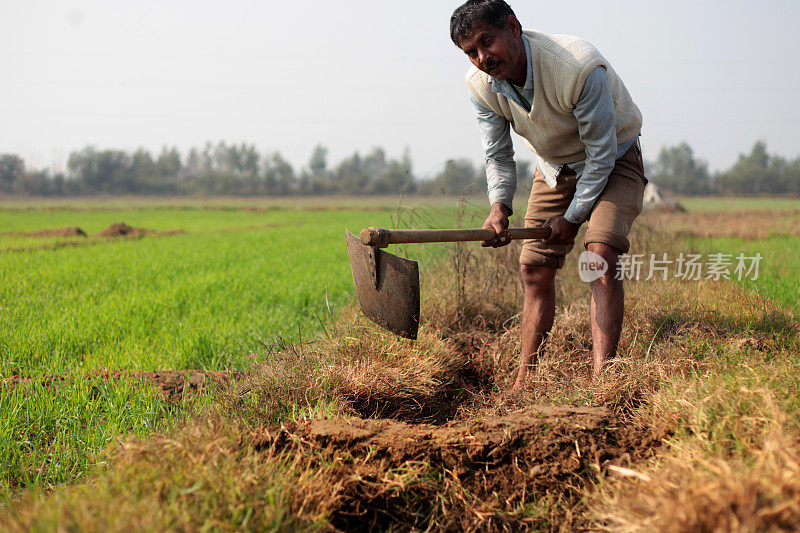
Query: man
<point x="562" y="96"/>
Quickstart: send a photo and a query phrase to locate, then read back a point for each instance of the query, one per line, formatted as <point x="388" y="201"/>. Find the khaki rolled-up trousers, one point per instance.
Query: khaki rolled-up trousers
<point x="610" y="220"/>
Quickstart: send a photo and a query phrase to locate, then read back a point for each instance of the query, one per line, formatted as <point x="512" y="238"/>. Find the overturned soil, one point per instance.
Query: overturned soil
<point x="436" y="407"/>
<point x="121" y="229"/>
<point x="72" y="231"/>
<point x="172" y="385"/>
<point x="386" y="472"/>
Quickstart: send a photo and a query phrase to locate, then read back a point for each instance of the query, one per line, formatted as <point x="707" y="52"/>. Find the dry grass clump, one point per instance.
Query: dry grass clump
<point x="731" y="463"/>
<point x="290" y="381"/>
<point x="358" y="369"/>
<point x="733" y="468"/>
<point x="200" y="477"/>
<point x="477" y="289"/>
<point x="697" y="495"/>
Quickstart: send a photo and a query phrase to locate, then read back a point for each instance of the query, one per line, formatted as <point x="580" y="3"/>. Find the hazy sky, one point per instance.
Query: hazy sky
<point x="355" y="74"/>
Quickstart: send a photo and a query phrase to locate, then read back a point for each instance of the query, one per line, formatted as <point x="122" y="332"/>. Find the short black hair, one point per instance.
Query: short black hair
<point x="475" y="13"/>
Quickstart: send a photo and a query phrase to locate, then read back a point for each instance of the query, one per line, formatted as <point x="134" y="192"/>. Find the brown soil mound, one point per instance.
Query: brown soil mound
<point x="115" y="230"/>
<point x="122" y="230"/>
<point x="513" y="459"/>
<point x="171" y="384"/>
<point x="55" y="232"/>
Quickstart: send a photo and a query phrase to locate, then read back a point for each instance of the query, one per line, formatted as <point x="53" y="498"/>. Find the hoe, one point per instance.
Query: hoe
<point x="388" y="286"/>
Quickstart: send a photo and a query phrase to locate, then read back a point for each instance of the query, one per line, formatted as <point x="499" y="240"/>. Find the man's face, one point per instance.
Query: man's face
<point x="495" y="51"/>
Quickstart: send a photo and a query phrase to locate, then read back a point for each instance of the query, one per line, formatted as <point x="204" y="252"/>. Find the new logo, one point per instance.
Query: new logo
<point x="591" y="266"/>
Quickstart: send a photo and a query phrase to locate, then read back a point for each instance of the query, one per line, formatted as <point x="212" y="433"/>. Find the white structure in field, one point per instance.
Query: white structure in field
<point x="654" y="200"/>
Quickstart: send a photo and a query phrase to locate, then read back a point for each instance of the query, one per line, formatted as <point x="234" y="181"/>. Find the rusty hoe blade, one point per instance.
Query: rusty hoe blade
<point x="387" y="287"/>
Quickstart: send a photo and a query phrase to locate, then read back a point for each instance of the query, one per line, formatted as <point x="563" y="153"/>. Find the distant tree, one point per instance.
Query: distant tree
<point x="394" y="177"/>
<point x="458" y="177"/>
<point x="374" y="165"/>
<point x="61" y="187"/>
<point x="790" y="177"/>
<point x="279" y="176"/>
<point x="407" y="167"/>
<point x="207" y="158"/>
<point x="316" y="179"/>
<point x="677" y="170"/>
<point x="109" y="171"/>
<point x="350" y="175"/>
<point x="248" y="169"/>
<point x="222" y="162"/>
<point x="35" y="183"/>
<point x="144" y="169"/>
<point x="194" y="166"/>
<point x="12" y="167"/>
<point x="374" y="162"/>
<point x="753" y="173"/>
<point x="168" y="165"/>
<point x="318" y="162"/>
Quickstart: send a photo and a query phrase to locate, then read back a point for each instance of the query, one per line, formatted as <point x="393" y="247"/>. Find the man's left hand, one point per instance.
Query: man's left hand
<point x="562" y="231"/>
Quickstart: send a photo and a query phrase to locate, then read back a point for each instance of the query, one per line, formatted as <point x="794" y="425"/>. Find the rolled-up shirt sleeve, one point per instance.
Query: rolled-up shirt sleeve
<point x="597" y="129"/>
<point x="498" y="151"/>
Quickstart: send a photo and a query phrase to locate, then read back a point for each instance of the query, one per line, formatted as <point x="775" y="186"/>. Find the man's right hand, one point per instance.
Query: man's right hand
<point x="498" y="221"/>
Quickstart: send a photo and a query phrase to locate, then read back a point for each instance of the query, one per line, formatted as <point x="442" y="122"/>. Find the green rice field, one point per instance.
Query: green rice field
<point x="213" y="287"/>
<point x="212" y="297"/>
<point x="779" y="273"/>
<point x="202" y="299"/>
<point x="779" y="269"/>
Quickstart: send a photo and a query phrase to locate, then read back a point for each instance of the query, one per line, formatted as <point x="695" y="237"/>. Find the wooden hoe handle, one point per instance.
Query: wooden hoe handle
<point x="381" y="237"/>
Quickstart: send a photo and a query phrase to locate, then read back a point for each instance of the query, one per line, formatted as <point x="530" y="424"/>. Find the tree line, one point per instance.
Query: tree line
<point x="232" y="169"/>
<point x="758" y="172"/>
<point x="241" y="170"/>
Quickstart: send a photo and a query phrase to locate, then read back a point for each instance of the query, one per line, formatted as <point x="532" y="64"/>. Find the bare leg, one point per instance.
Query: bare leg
<point x="537" y="315"/>
<point x="608" y="306"/>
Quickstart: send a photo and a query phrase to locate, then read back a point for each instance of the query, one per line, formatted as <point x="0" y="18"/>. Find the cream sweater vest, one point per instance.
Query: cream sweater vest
<point x="560" y="64"/>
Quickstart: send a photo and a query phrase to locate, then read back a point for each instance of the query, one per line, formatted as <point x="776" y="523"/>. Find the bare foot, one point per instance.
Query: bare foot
<point x="510" y="396"/>
<point x="597" y="374"/>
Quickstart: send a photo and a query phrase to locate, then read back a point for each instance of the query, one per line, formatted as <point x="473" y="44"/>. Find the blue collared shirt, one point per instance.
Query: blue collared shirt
<point x="594" y="112"/>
